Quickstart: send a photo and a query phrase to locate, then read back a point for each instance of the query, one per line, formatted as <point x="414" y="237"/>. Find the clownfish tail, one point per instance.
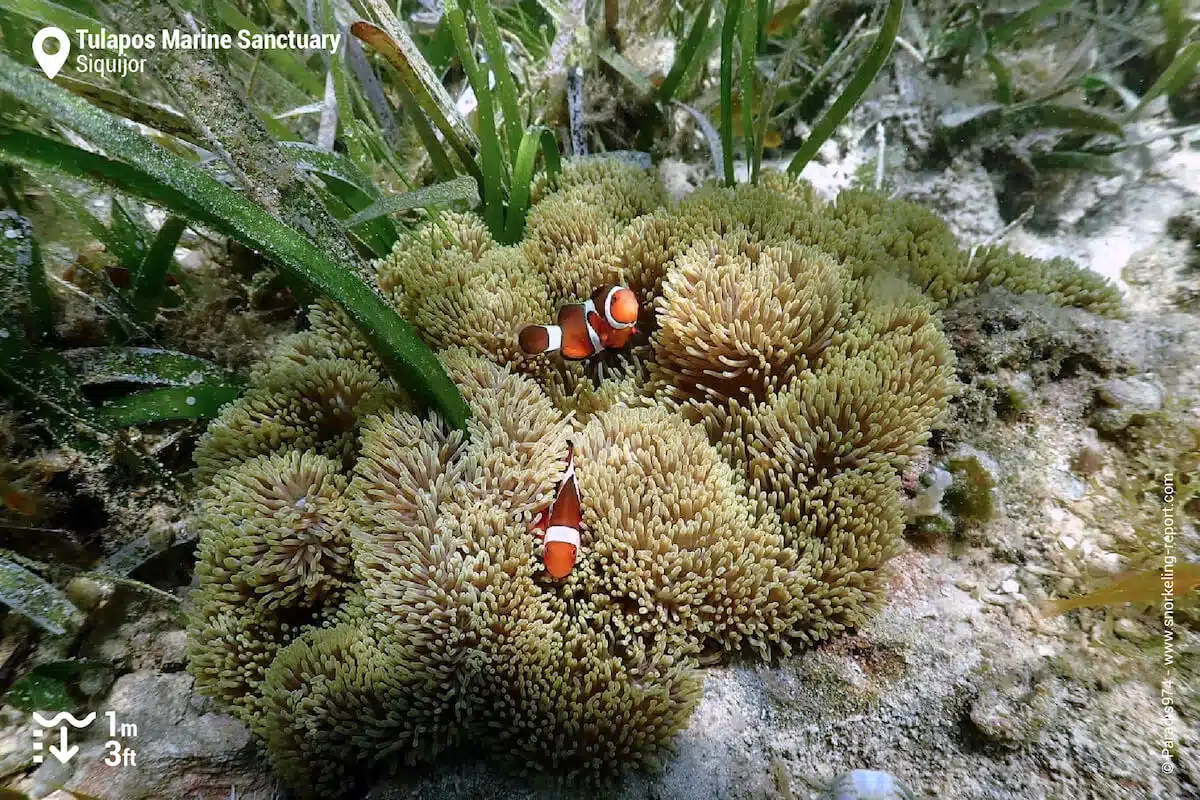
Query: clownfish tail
<point x="535" y="339"/>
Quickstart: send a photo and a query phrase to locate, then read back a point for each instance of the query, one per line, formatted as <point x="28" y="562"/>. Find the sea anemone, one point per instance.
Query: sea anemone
<point x="369" y="583"/>
<point x="739" y="321"/>
<point x="299" y="403"/>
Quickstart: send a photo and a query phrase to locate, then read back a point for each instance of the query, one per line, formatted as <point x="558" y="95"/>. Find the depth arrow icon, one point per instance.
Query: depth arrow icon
<point x="61" y="751"/>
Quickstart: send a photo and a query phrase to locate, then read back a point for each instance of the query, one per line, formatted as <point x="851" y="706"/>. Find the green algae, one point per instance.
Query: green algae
<point x="971" y="497"/>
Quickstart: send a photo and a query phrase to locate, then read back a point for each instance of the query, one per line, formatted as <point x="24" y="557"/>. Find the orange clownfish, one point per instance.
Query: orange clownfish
<point x="604" y="322"/>
<point x="558" y="525"/>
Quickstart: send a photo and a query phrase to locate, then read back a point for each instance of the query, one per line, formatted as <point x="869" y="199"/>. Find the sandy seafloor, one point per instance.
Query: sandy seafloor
<point x="959" y="686"/>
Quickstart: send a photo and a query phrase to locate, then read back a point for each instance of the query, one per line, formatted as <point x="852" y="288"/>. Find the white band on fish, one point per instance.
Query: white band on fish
<point x="561" y="533"/>
<point x="554" y="334"/>
<point x="589" y="308"/>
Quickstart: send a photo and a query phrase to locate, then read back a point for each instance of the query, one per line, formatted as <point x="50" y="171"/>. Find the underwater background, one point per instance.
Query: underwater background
<point x="555" y="400"/>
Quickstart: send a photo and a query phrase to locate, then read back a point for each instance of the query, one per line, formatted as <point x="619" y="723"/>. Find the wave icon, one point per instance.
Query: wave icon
<point x="60" y="716"/>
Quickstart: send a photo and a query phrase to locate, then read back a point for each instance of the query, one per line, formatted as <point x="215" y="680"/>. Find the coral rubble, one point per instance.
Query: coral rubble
<point x="369" y="588"/>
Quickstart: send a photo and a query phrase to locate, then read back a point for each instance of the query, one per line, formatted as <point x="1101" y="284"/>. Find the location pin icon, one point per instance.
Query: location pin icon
<point x="51" y="63"/>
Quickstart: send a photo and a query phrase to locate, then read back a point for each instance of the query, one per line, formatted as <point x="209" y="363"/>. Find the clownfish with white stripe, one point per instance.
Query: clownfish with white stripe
<point x="558" y="525"/>
<point x="604" y="322"/>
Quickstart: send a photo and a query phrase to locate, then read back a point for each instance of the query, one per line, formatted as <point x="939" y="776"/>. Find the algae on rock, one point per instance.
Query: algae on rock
<point x="375" y="590"/>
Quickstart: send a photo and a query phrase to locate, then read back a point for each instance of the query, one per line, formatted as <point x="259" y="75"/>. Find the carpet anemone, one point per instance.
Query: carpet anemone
<point x="370" y="591"/>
